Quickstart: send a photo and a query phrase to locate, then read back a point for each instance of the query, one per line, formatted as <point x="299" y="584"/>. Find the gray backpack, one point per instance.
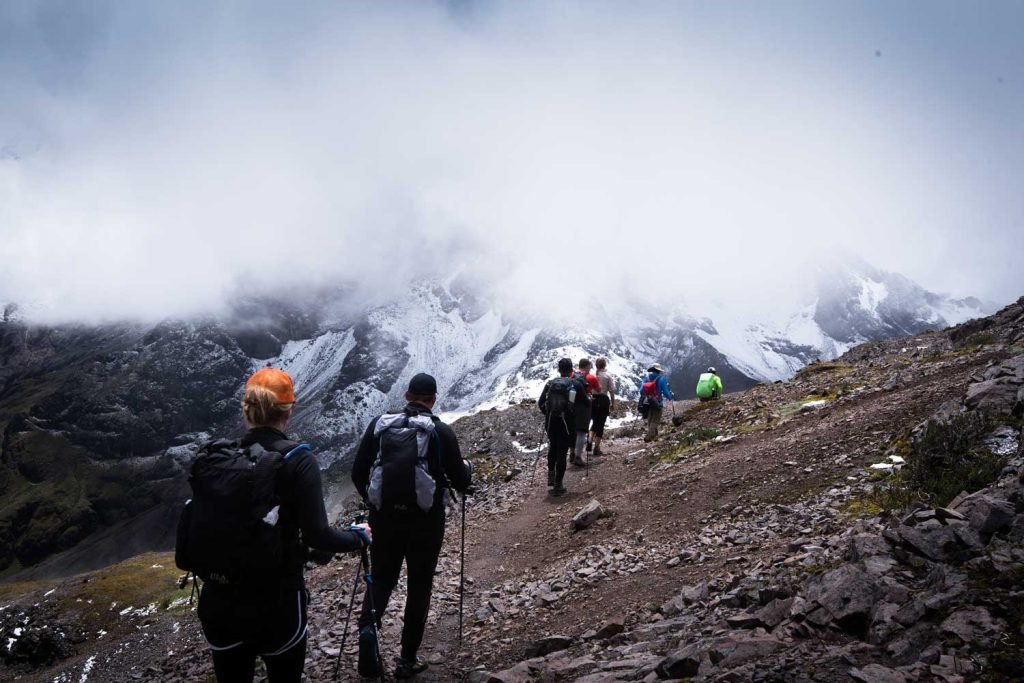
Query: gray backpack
<point x="400" y="479"/>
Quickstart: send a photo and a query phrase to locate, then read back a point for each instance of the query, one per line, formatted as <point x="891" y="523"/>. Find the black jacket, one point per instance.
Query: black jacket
<point x="303" y="516"/>
<point x="454" y="472"/>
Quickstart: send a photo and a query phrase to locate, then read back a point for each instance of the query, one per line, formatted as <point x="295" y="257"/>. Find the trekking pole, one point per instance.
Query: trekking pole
<point x="586" y="466"/>
<point x="533" y="471"/>
<point x="536" y="459"/>
<point x="348" y="618"/>
<point x="364" y="558"/>
<point x="462" y="568"/>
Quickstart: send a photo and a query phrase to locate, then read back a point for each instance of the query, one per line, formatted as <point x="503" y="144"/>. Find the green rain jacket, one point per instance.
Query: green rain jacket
<point x="709" y="385"/>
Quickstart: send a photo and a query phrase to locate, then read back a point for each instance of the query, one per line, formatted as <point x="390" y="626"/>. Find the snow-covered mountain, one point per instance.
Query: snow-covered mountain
<point x="352" y="369"/>
<point x="99" y="422"/>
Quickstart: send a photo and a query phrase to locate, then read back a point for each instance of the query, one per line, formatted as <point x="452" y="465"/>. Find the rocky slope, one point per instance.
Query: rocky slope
<point x="768" y="536"/>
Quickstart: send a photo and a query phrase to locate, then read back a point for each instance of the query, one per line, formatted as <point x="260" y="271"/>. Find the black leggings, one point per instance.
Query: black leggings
<point x="602" y="406"/>
<point x="238" y="665"/>
<point x="241" y="626"/>
<point x="416" y="541"/>
<point x="560" y="441"/>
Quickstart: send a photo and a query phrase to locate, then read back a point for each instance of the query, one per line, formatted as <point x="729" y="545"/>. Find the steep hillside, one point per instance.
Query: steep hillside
<point x="754" y="540"/>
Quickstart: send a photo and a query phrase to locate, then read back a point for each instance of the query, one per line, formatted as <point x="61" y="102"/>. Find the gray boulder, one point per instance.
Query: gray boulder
<point x="848" y="594"/>
<point x="940" y="543"/>
<point x="987" y="514"/>
<point x="590" y="513"/>
<point x="683" y="663"/>
<point x="876" y="673"/>
<point x="975" y="626"/>
<point x="547" y="645"/>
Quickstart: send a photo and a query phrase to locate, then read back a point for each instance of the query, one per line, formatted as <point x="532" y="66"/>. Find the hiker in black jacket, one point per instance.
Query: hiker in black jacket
<point x="241" y="619"/>
<point x="559" y="422"/>
<point x="406" y="530"/>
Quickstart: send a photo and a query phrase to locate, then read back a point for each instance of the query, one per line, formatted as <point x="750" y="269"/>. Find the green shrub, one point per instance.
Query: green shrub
<point x="978" y="340"/>
<point x="951" y="457"/>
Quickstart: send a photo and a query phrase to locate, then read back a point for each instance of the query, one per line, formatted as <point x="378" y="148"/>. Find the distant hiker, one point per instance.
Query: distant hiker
<point x="583" y="410"/>
<point x="604" y="401"/>
<point x="653" y="392"/>
<point x="709" y="386"/>
<point x="256" y="504"/>
<point x="405" y="462"/>
<point x="557" y="403"/>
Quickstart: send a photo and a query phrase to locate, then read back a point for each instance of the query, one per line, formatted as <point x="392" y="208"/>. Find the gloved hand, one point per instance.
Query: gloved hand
<point x="363" y="532"/>
<point x="469" y="468"/>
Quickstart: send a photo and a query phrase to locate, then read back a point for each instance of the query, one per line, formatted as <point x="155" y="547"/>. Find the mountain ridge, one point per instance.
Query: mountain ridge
<point x="109" y="416"/>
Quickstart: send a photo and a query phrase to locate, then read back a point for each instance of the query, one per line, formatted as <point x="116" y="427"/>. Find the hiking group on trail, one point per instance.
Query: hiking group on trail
<point x="257" y="508"/>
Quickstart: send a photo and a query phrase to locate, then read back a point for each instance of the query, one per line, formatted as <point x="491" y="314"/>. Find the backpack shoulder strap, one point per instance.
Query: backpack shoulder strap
<point x="287" y="448"/>
<point x="218" y="445"/>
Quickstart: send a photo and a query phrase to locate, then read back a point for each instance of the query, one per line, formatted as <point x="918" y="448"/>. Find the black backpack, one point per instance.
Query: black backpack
<point x="229" y="529"/>
<point x="558" y="401"/>
<point x="402" y="480"/>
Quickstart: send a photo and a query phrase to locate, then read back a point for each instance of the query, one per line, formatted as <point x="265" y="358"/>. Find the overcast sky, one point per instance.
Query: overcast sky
<point x="154" y="155"/>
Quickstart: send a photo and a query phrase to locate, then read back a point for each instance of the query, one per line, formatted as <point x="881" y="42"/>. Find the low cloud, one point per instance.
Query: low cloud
<point x="154" y="158"/>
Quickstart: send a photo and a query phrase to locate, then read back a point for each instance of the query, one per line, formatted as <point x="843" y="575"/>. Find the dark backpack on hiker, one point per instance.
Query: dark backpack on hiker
<point x="649" y="395"/>
<point x="558" y="403"/>
<point x="401" y="480"/>
<point x="229" y="529"/>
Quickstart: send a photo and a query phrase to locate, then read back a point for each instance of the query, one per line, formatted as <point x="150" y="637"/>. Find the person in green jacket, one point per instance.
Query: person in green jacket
<point x="709" y="386"/>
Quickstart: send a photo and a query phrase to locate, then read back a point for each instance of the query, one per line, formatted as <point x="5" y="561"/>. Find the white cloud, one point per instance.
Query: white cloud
<point x="565" y="150"/>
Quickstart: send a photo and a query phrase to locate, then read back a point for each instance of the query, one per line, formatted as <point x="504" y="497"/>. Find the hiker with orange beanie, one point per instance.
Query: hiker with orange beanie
<point x="254" y="600"/>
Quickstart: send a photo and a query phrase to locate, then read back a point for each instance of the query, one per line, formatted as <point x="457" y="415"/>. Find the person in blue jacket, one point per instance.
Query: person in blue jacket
<point x="655" y="381"/>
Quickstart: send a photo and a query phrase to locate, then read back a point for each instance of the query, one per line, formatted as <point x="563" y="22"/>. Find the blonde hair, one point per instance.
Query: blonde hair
<point x="261" y="409"/>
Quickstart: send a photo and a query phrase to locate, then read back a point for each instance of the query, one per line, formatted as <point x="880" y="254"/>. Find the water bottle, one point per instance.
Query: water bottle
<point x="572" y="394"/>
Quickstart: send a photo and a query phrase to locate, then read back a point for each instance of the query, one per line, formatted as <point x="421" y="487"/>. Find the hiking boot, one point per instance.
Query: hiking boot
<point x="579" y="462"/>
<point x="559" y="490"/>
<point x="598" y="451"/>
<point x="367" y="665"/>
<point x="551" y="478"/>
<point x="407" y="668"/>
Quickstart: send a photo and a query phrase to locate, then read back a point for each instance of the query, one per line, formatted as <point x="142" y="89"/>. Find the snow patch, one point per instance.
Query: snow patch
<point x="523" y="449"/>
<point x="89" y="664"/>
<point x="871" y="295"/>
<point x="313" y="363"/>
